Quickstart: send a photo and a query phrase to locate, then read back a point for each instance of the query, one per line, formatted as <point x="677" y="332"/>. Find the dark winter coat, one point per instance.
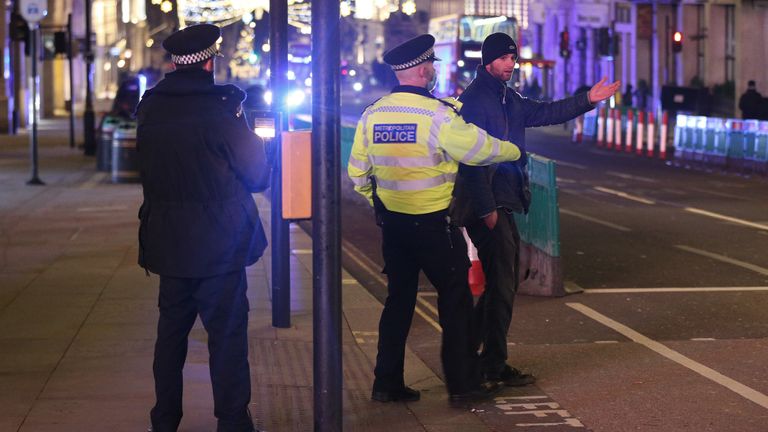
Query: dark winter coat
<point x="503" y="113"/>
<point x="199" y="165"/>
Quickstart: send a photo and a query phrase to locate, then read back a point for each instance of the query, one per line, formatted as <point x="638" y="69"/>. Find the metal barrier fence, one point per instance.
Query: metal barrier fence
<point x="730" y="144"/>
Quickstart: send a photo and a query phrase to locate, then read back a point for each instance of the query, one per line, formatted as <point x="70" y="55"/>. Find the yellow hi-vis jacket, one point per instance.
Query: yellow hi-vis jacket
<point x="412" y="144"/>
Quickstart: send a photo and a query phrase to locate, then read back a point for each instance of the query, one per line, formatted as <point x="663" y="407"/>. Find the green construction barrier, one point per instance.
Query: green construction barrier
<point x="540" y="261"/>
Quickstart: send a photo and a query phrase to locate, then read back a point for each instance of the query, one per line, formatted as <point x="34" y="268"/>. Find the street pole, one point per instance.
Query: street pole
<point x="326" y="211"/>
<point x="34" y="39"/>
<point x="89" y="118"/>
<point x="281" y="270"/>
<point x="71" y="84"/>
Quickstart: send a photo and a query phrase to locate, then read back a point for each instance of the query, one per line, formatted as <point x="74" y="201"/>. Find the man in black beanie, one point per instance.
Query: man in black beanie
<point x="486" y="197"/>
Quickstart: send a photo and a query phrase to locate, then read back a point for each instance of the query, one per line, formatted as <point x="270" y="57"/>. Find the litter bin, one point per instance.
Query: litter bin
<point x="104" y="149"/>
<point x="125" y="160"/>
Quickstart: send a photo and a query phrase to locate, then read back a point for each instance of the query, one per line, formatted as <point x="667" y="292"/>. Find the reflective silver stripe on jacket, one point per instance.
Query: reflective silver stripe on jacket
<point x="361" y="165"/>
<point x="481" y="137"/>
<point x="494" y="152"/>
<point x="403" y="109"/>
<point x="361" y="181"/>
<point x="406" y="162"/>
<point x="412" y="185"/>
<point x="364" y="120"/>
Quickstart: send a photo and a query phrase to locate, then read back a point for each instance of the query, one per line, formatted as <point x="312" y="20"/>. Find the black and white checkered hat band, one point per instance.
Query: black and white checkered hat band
<point x="195" y="57"/>
<point x="430" y="53"/>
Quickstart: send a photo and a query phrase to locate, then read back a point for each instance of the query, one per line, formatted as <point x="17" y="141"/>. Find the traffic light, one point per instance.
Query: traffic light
<point x="565" y="44"/>
<point x="604" y="42"/>
<point x="677" y="42"/>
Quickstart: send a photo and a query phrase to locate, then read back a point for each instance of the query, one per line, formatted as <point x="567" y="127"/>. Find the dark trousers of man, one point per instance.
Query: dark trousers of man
<point x="499" y="253"/>
<point x="425" y="242"/>
<point x="223" y="308"/>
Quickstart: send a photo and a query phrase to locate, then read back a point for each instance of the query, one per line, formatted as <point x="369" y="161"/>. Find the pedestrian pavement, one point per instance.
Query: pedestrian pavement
<point x="78" y="317"/>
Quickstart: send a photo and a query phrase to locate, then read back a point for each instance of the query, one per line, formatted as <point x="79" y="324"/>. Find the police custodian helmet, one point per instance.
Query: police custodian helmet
<point x="411" y="53"/>
<point x="193" y="44"/>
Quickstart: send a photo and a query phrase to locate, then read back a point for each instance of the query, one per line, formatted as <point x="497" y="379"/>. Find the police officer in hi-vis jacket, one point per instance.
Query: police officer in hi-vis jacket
<point x="404" y="160"/>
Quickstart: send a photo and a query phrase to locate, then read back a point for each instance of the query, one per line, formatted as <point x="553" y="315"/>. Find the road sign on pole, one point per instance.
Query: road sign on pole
<point x="33" y="11"/>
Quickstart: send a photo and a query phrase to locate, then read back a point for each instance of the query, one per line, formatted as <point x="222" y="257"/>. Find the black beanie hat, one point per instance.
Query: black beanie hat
<point x="497" y="45"/>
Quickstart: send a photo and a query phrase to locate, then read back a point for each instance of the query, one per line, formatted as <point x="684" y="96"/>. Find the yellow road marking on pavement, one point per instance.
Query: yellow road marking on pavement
<point x="428" y="294"/>
<point x="661" y="349"/>
<point x="95" y="179"/>
<point x="428" y="306"/>
<point x="101" y="209"/>
<point x="357" y="256"/>
<point x="624" y="195"/>
<point x="727" y="218"/>
<point x="669" y="290"/>
<point x="724" y="258"/>
<point x="301" y="251"/>
<point x="595" y="220"/>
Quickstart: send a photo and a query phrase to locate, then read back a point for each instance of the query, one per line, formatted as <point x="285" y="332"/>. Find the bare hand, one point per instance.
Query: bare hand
<point x="491" y="219"/>
<point x="601" y="91"/>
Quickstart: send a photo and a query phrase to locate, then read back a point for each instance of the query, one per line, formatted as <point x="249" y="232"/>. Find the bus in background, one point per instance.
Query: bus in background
<point x="458" y="42"/>
<point x="458" y="39"/>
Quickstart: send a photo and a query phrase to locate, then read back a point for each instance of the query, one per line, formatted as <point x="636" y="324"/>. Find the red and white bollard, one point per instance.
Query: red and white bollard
<point x="630" y="119"/>
<point x="651" y="135"/>
<point x="476" y="276"/>
<point x="609" y="129"/>
<point x="640" y="132"/>
<point x="578" y="129"/>
<point x="617" y="125"/>
<point x="600" y="127"/>
<point x="663" y="137"/>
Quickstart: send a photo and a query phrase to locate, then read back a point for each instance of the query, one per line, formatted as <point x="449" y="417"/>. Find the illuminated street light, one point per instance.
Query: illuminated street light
<point x="409" y="7"/>
<point x="150" y="42"/>
<point x="121" y="63"/>
<point x="128" y="54"/>
<point x="265" y="47"/>
<point x="345" y="9"/>
<point x="166" y="6"/>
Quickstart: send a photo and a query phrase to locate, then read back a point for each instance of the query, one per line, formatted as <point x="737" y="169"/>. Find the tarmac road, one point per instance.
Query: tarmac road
<point x="670" y="331"/>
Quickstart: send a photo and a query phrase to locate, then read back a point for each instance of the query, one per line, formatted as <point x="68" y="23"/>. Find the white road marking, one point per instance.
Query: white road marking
<point x="724" y="258"/>
<point x="101" y="209"/>
<point x="570" y="165"/>
<point x="703" y="339"/>
<point x="301" y="251"/>
<point x="727" y="218"/>
<point x="572" y="422"/>
<point x="670" y="290"/>
<point x="607" y="342"/>
<point x="76" y="234"/>
<point x="624" y="195"/>
<point x="565" y="180"/>
<point x="661" y="349"/>
<point x="595" y="220"/>
<point x="95" y="179"/>
<point x="631" y="177"/>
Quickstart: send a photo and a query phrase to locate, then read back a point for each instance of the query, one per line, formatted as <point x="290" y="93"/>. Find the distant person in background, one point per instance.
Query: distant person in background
<point x="750" y="102"/>
<point x="626" y="98"/>
<point x="642" y="95"/>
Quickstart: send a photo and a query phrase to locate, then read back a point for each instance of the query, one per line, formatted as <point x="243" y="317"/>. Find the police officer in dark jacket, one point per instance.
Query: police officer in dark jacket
<point x="486" y="197"/>
<point x="199" y="226"/>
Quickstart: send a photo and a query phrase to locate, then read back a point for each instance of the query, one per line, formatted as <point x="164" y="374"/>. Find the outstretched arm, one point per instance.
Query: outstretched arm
<point x="548" y="113"/>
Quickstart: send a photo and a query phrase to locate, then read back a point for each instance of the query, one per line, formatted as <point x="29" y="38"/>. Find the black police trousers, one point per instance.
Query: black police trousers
<point x="223" y="308"/>
<point x="499" y="253"/>
<point x="425" y="242"/>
